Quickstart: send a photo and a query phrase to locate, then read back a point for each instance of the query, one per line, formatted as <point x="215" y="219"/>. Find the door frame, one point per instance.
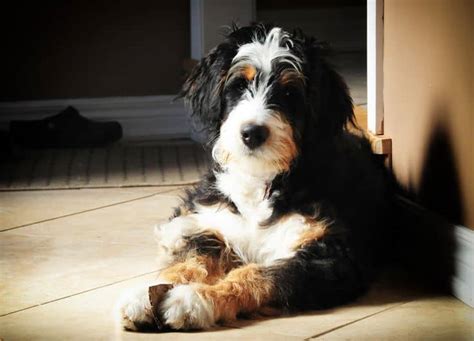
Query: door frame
<point x="208" y="16"/>
<point x="375" y="109"/>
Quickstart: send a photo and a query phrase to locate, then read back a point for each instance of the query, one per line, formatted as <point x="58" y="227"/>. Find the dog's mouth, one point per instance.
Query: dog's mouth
<point x="273" y="156"/>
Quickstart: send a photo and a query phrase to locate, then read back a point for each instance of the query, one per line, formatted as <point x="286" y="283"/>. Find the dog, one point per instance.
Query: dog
<point x="292" y="214"/>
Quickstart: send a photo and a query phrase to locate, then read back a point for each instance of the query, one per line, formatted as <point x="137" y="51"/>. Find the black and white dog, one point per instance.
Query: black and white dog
<point x="291" y="216"/>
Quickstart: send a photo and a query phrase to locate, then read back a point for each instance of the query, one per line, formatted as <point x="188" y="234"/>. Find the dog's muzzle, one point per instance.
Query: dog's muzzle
<point x="253" y="135"/>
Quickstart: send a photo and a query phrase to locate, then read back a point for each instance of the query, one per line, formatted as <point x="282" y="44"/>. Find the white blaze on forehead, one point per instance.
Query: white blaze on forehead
<point x="255" y="61"/>
<point x="261" y="55"/>
<point x="252" y="108"/>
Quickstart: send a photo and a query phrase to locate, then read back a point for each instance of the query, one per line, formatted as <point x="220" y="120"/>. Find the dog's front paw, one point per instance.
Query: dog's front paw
<point x="183" y="308"/>
<point x="134" y="311"/>
<point x="170" y="235"/>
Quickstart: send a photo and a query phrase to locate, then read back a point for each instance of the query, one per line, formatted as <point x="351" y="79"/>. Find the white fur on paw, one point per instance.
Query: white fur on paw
<point x="133" y="309"/>
<point x="184" y="308"/>
<point x="170" y="235"/>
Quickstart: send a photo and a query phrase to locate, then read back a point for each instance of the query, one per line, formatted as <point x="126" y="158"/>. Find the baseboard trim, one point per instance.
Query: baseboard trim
<point x="142" y="118"/>
<point x="462" y="280"/>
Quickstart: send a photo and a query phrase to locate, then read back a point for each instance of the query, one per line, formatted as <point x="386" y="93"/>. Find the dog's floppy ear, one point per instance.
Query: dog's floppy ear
<point x="203" y="88"/>
<point x="328" y="94"/>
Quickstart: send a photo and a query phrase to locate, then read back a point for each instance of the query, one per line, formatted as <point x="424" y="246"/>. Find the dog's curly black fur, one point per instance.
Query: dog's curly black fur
<point x="335" y="176"/>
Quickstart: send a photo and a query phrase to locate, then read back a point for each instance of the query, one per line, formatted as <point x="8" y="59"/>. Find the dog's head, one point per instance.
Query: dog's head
<point x="266" y="97"/>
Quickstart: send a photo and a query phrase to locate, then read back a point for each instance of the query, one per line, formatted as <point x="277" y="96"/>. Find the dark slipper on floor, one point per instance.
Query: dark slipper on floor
<point x="66" y="129"/>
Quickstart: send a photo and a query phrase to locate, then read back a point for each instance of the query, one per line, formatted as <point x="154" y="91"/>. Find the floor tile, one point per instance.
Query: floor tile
<point x="35" y="270"/>
<point x="27" y="207"/>
<point x="89" y="316"/>
<point x="130" y="222"/>
<point x="50" y="260"/>
<point x="42" y="323"/>
<point x="429" y="318"/>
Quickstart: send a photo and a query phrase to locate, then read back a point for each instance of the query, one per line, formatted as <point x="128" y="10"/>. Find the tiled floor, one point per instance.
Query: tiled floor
<point x="66" y="255"/>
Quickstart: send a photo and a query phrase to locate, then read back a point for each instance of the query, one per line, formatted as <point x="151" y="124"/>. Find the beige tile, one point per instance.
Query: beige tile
<point x="89" y="316"/>
<point x="27" y="207"/>
<point x="35" y="270"/>
<point x="435" y="318"/>
<point x="49" y="260"/>
<point x="130" y="222"/>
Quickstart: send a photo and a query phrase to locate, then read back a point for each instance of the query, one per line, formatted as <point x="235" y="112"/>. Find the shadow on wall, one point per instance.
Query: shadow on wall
<point x="440" y="189"/>
<point x="427" y="240"/>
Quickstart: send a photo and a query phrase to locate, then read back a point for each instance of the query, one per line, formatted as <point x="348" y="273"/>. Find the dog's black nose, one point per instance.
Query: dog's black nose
<point x="254" y="135"/>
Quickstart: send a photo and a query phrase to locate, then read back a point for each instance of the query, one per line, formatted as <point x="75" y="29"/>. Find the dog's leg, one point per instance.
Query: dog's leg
<point x="206" y="258"/>
<point x="134" y="309"/>
<point x="202" y="257"/>
<point x="198" y="305"/>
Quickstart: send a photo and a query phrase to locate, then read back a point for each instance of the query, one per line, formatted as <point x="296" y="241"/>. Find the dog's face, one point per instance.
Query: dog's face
<point x="263" y="93"/>
<point x="256" y="94"/>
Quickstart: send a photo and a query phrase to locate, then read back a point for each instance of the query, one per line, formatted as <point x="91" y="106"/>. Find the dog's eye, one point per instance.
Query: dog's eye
<point x="291" y="91"/>
<point x="237" y="84"/>
<point x="288" y="92"/>
<point x="241" y="84"/>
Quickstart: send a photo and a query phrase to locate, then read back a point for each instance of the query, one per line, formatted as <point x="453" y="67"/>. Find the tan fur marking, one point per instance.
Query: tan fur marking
<point x="286" y="148"/>
<point x="192" y="270"/>
<point x="199" y="269"/>
<point x="291" y="77"/>
<point x="249" y="72"/>
<point x="317" y="231"/>
<point x="243" y="290"/>
<point x="246" y="71"/>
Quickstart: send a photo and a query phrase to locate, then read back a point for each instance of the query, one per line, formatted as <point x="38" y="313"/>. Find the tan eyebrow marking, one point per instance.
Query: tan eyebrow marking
<point x="246" y="71"/>
<point x="249" y="72"/>
<point x="291" y="76"/>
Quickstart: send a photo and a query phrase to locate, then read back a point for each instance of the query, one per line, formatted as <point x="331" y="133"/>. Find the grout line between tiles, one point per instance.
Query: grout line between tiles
<point x="91" y="209"/>
<point x="89" y="241"/>
<point x="79" y="293"/>
<point x="83" y="186"/>
<point x="355" y="321"/>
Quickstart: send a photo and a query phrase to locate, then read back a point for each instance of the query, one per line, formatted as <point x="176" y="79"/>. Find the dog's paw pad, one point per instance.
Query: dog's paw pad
<point x="156" y="294"/>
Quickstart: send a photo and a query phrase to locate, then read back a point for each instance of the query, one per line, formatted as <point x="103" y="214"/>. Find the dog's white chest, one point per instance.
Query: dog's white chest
<point x="248" y="194"/>
<point x="252" y="242"/>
